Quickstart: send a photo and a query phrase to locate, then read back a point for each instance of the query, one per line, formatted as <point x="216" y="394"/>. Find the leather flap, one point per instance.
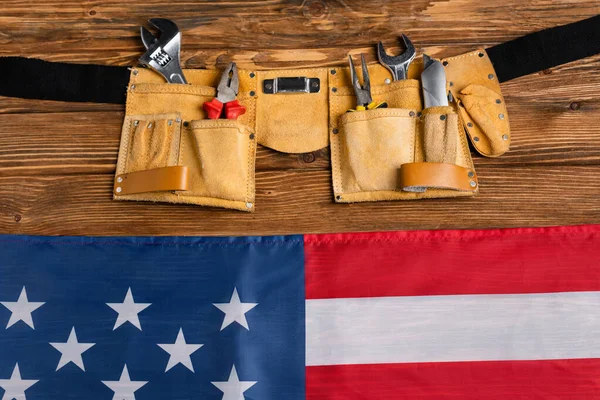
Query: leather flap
<point x="473" y="82"/>
<point x="153" y="180"/>
<point x="414" y="177"/>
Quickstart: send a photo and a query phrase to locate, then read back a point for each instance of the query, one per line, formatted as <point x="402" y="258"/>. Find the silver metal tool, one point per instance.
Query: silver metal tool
<point x="364" y="101"/>
<point x="397" y="65"/>
<point x="434" y="83"/>
<point x="163" y="52"/>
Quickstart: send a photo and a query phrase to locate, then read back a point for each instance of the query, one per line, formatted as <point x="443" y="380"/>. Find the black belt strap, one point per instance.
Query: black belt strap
<point x="31" y="78"/>
<point x="546" y="49"/>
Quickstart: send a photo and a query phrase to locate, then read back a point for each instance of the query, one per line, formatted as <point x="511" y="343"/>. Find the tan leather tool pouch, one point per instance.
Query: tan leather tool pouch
<point x="397" y="153"/>
<point x="481" y="106"/>
<point x="170" y="152"/>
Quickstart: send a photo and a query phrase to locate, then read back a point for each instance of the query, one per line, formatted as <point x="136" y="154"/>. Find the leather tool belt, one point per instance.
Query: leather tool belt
<point x="171" y="152"/>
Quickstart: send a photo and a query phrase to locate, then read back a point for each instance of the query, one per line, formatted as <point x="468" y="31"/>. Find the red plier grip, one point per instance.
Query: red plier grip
<point x="213" y="108"/>
<point x="234" y="109"/>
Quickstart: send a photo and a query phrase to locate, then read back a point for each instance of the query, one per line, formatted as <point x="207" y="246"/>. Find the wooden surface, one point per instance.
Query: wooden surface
<point x="57" y="160"/>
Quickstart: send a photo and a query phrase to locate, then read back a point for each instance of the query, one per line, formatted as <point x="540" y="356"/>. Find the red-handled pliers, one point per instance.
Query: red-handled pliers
<point x="226" y="93"/>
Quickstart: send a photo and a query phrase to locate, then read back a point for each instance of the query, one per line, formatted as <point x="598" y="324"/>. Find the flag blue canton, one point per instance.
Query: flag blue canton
<point x="152" y="318"/>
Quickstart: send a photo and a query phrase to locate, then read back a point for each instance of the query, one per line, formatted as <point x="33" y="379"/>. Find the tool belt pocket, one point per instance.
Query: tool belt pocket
<point x="443" y="165"/>
<point x="203" y="162"/>
<point x="371" y="147"/>
<point x="401" y="154"/>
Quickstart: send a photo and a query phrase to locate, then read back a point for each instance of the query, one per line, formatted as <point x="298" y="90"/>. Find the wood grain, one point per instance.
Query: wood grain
<point x="57" y="159"/>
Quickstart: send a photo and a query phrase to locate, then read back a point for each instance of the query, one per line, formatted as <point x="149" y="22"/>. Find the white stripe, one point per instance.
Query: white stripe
<point x="453" y="328"/>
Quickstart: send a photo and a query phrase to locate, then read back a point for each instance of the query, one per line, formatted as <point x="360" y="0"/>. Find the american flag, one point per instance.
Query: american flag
<point x="490" y="314"/>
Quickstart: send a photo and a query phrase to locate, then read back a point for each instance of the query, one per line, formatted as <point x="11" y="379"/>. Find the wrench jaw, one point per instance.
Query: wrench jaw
<point x="162" y="53"/>
<point x="397" y="65"/>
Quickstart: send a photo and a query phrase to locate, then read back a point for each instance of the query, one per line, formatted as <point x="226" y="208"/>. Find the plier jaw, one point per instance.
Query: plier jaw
<point x="225" y="100"/>
<point x="364" y="101"/>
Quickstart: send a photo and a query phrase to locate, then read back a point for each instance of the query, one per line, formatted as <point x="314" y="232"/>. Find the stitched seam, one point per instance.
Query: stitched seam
<point x="187" y="90"/>
<point x="125" y="144"/>
<point x="350" y="119"/>
<point x="473" y="53"/>
<point x="249" y="173"/>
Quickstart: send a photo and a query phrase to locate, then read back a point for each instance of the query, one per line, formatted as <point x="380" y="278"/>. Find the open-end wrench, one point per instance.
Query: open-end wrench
<point x="397" y="65"/>
<point x="163" y="51"/>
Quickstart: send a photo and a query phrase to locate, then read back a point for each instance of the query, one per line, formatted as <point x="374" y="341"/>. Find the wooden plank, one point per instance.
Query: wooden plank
<point x="57" y="159"/>
<point x="292" y="202"/>
<point x="107" y="32"/>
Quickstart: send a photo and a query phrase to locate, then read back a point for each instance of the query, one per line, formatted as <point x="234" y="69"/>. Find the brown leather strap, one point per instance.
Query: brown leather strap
<point x="415" y="177"/>
<point x="152" y="180"/>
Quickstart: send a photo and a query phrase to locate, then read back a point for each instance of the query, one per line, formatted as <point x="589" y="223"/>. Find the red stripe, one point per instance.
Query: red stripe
<point x="532" y="260"/>
<point x="501" y="380"/>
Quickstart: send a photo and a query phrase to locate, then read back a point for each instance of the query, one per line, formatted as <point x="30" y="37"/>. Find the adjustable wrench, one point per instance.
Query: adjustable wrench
<point x="397" y="65"/>
<point x="163" y="52"/>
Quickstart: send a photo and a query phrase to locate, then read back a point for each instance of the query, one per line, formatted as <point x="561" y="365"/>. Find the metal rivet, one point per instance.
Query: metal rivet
<point x="338" y="197"/>
<point x="476" y="139"/>
<point x="118" y="190"/>
<point x="136" y="123"/>
<point x="178" y="120"/>
<point x="481" y="55"/>
<point x="471" y="174"/>
<point x="498" y="101"/>
<point x="473" y="183"/>
<point x="501" y="116"/>
<point x="268" y="86"/>
<point x="451" y="84"/>
<point x="443" y="117"/>
<point x="135" y="71"/>
<point x="387" y="81"/>
<point x="335" y="131"/>
<point x="252" y="74"/>
<point x="315" y="84"/>
<point x="170" y="122"/>
<point x="334" y="90"/>
<point x="186" y="123"/>
<point x="412" y="114"/>
<point x="252" y="93"/>
<point x="252" y="136"/>
<point x="249" y="205"/>
<point x="445" y="63"/>
<point x="333" y="72"/>
<point x="119" y="179"/>
<point x="491" y="76"/>
<point x="470" y="124"/>
<point x="504" y="137"/>
<point x="150" y="125"/>
<point x="132" y="87"/>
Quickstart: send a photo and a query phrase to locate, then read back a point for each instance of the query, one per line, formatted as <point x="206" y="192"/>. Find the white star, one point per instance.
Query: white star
<point x="233" y="389"/>
<point x="124" y="388"/>
<point x="235" y="311"/>
<point x="15" y="387"/>
<point x="21" y="309"/>
<point x="128" y="311"/>
<point x="71" y="351"/>
<point x="180" y="352"/>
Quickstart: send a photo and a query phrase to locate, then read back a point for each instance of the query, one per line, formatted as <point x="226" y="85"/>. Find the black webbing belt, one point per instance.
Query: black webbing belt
<point x="31" y="78"/>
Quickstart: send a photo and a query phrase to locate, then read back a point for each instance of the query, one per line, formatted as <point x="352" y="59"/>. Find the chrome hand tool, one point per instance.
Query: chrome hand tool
<point x="434" y="83"/>
<point x="225" y="104"/>
<point x="364" y="101"/>
<point x="162" y="53"/>
<point x="397" y="65"/>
